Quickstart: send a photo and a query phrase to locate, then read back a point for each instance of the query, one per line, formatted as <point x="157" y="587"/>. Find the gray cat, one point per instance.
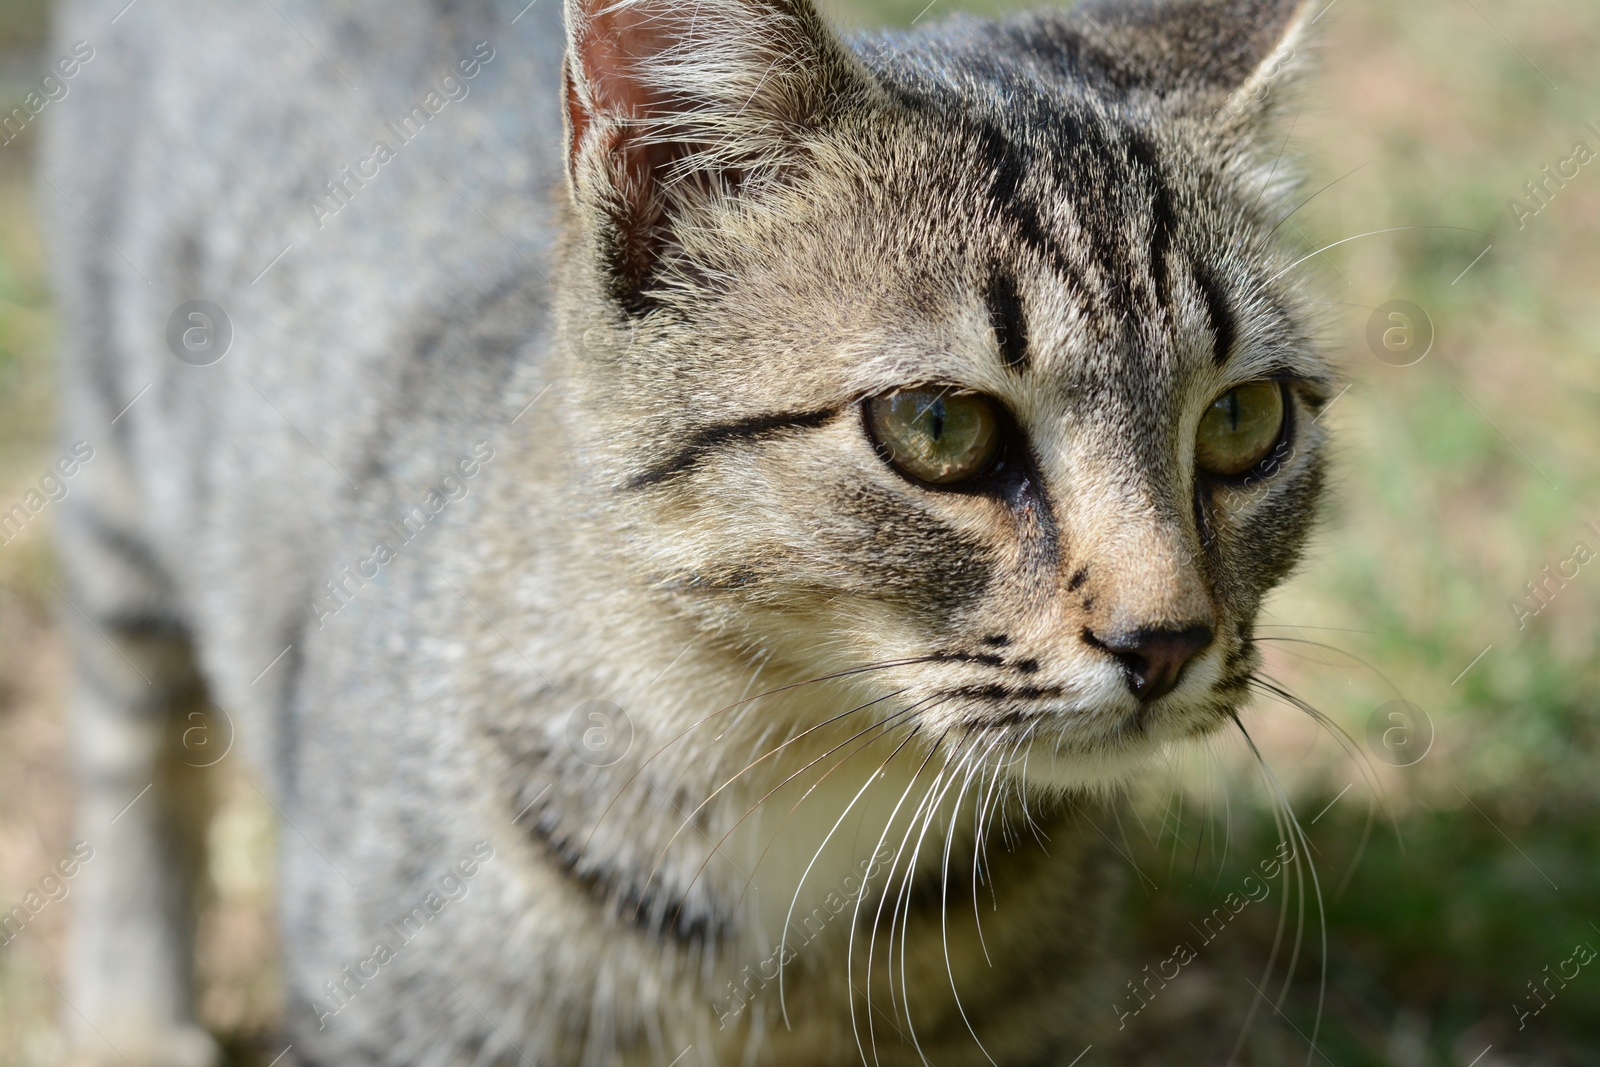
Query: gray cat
<point x="690" y="518"/>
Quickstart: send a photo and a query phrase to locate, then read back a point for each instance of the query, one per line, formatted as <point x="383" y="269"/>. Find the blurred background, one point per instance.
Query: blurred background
<point x="1439" y="756"/>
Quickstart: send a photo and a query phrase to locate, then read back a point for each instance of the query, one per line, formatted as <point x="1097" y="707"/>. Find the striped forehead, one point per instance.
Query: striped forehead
<point x="1079" y="180"/>
<point x="1089" y="270"/>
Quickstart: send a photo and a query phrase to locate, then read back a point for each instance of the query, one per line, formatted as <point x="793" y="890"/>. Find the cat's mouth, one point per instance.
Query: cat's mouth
<point x="1064" y="743"/>
<point x="1085" y="712"/>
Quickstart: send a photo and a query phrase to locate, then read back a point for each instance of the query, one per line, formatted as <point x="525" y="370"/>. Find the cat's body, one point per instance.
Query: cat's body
<point x="558" y="441"/>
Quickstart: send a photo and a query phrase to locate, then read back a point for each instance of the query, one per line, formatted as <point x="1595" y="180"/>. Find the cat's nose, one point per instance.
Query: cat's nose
<point x="1153" y="658"/>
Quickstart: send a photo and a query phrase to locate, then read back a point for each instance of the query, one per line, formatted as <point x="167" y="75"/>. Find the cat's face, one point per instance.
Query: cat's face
<point x="980" y="367"/>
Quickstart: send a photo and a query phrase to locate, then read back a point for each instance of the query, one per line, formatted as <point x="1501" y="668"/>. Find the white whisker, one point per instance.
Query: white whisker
<point x="789" y="915"/>
<point x="975" y="765"/>
<point x="931" y="804"/>
<point x="856" y="914"/>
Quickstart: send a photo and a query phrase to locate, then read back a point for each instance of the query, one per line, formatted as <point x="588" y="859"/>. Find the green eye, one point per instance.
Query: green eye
<point x="1239" y="429"/>
<point x="936" y="435"/>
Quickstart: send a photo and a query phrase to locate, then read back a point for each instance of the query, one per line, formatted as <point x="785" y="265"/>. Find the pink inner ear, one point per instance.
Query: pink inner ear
<point x="613" y="45"/>
<point x="604" y="77"/>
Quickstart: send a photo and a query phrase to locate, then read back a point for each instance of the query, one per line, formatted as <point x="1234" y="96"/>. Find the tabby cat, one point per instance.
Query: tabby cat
<point x="690" y="518"/>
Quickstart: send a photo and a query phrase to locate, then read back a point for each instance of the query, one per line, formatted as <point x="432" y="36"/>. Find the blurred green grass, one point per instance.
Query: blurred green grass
<point x="1447" y="886"/>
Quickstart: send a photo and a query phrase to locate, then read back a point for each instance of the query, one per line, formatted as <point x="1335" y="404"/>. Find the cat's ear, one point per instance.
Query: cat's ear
<point x="1225" y="62"/>
<point x="668" y="100"/>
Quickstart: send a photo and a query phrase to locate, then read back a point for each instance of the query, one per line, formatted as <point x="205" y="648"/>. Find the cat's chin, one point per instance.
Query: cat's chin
<point x="1100" y="773"/>
<point x="1112" y="765"/>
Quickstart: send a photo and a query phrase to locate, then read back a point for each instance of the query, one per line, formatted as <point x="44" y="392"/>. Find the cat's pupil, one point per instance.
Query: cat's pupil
<point x="1232" y="401"/>
<point x="936" y="438"/>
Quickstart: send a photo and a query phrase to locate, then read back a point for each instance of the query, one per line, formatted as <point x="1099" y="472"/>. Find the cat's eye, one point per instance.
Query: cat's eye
<point x="935" y="435"/>
<point x="1239" y="429"/>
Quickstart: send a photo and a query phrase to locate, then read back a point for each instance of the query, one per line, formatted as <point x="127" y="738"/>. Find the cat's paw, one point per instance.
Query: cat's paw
<point x="181" y="1046"/>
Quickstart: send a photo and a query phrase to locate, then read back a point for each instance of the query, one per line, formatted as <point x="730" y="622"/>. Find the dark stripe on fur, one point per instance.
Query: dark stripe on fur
<point x="116" y="538"/>
<point x="1005" y="314"/>
<point x="1223" y="325"/>
<point x="145" y="625"/>
<point x="711" y="438"/>
<point x="1084" y="158"/>
<point x="985" y="658"/>
<point x="651" y="911"/>
<point x="1003" y="692"/>
<point x="1007" y="165"/>
<point x="1162" y="217"/>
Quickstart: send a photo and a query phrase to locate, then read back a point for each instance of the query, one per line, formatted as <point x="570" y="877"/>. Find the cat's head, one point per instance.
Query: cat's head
<point x="972" y="351"/>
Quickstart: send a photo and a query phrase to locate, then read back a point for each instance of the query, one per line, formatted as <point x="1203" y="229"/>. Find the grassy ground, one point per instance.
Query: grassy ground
<point x="34" y="813"/>
<point x="1447" y="886"/>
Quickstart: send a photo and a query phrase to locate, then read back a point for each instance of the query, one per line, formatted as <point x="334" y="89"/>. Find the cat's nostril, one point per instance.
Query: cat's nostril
<point x="1154" y="657"/>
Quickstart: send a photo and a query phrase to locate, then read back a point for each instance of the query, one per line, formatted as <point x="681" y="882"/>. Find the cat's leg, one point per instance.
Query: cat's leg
<point x="142" y="805"/>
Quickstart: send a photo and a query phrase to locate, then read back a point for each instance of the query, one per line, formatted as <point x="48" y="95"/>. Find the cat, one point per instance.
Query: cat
<point x="690" y="518"/>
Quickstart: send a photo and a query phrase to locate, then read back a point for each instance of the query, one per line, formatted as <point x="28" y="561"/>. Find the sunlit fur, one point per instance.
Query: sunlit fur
<point x="751" y="228"/>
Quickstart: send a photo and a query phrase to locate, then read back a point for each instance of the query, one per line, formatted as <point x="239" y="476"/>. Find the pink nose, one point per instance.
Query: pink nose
<point x="1153" y="658"/>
